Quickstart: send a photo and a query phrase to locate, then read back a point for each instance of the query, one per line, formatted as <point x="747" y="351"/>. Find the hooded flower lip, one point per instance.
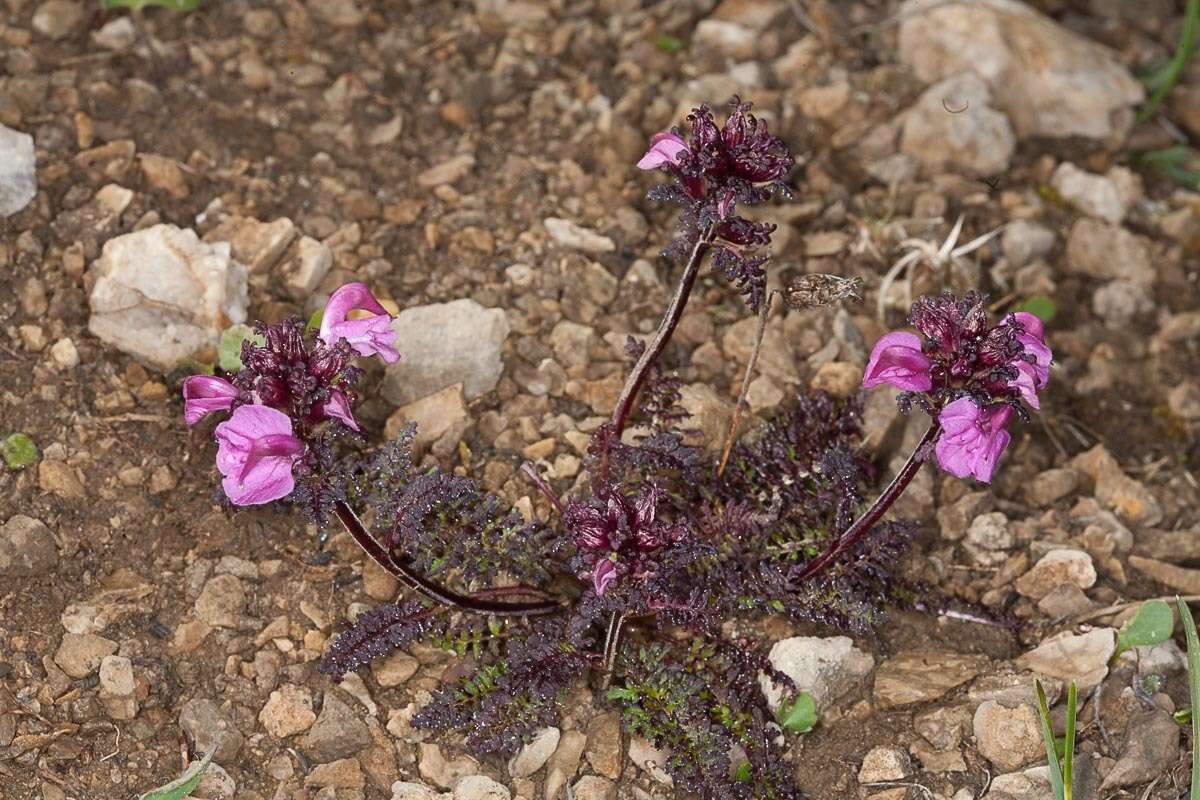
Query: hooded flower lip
<point x="1033" y="339"/>
<point x="897" y="359"/>
<point x="665" y="148"/>
<point x="972" y="438"/>
<point x="255" y="453"/>
<point x="204" y="394"/>
<point x="338" y="407"/>
<point x="368" y="336"/>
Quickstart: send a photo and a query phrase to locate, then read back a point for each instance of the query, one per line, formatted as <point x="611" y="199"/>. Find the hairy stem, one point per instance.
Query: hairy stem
<point x="861" y="526"/>
<point x="666" y="329"/>
<point x="763" y="311"/>
<point x="612" y="642"/>
<point x="480" y="602"/>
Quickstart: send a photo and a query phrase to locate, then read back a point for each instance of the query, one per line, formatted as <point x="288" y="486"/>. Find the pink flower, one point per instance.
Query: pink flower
<point x="1034" y="340"/>
<point x="604" y="573"/>
<point x="369" y="335"/>
<point x="204" y="394"/>
<point x="972" y="438"/>
<point x="665" y="148"/>
<point x="338" y="407"/>
<point x="255" y="453"/>
<point x="897" y="359"/>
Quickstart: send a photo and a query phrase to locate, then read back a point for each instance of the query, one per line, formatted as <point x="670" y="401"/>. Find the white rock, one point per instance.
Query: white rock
<point x="727" y="38"/>
<point x="161" y="294"/>
<point x="406" y="790"/>
<point x="56" y="19"/>
<point x="445" y="344"/>
<point x="1024" y="241"/>
<point x="65" y="354"/>
<point x="216" y="784"/>
<point x="1008" y="737"/>
<point x="1030" y="784"/>
<point x="447" y="172"/>
<point x="480" y="787"/>
<point x="1105" y="196"/>
<point x="1059" y="566"/>
<point x="305" y="272"/>
<point x="535" y="754"/>
<point x="18" y="174"/>
<point x="569" y="234"/>
<point x="650" y="759"/>
<point x="1047" y="79"/>
<point x="1118" y="302"/>
<point x="826" y="668"/>
<point x="1078" y="657"/>
<point x="117" y="34"/>
<point x="882" y="764"/>
<point x="953" y="126"/>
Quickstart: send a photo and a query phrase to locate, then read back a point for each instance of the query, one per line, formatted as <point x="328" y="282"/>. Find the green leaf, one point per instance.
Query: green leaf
<point x="668" y="43"/>
<point x="185" y="784"/>
<point x="18" y="451"/>
<point x="1183" y="716"/>
<point x="1152" y="624"/>
<point x="1162" y="81"/>
<point x="1176" y="162"/>
<point x="229" y="351"/>
<point x="621" y="693"/>
<point x="314" y="322"/>
<point x="1056" y="776"/>
<point x="800" y="715"/>
<point x="138" y="5"/>
<point x="1041" y="307"/>
<point x="743" y="773"/>
<point x="1193" y="658"/>
<point x="1069" y="742"/>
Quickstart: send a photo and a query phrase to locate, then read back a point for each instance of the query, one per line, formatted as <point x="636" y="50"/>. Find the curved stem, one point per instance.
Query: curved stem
<point x="478" y="601"/>
<point x="665" y="330"/>
<point x="760" y="332"/>
<point x="861" y="526"/>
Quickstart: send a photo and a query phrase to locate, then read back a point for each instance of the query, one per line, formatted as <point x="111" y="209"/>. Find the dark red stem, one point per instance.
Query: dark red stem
<point x="478" y="601"/>
<point x="666" y="329"/>
<point x="861" y="526"/>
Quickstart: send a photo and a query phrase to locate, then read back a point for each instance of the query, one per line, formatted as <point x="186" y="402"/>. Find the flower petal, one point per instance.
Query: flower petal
<point x="368" y="336"/>
<point x="338" y="407"/>
<point x="972" y="439"/>
<point x="346" y="299"/>
<point x="604" y="573"/>
<point x="204" y="394"/>
<point x="897" y="359"/>
<point x="665" y="148"/>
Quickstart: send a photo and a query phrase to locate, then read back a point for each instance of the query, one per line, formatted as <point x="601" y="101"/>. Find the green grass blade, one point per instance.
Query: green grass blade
<point x="1193" y="658"/>
<point x="1164" y="80"/>
<point x="1069" y="744"/>
<point x="185" y="784"/>
<point x="1056" y="776"/>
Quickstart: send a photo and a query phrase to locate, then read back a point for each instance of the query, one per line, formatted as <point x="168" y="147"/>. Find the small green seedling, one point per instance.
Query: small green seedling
<point x="800" y="715"/>
<point x="185" y="784"/>
<point x="668" y="43"/>
<point x="1152" y="624"/>
<point x="18" y="451"/>
<point x="229" y="351"/>
<point x="1060" y="774"/>
<point x="138" y="5"/>
<point x="1040" y="306"/>
<point x="1163" y="80"/>
<point x="1193" y="659"/>
<point x="1179" y="162"/>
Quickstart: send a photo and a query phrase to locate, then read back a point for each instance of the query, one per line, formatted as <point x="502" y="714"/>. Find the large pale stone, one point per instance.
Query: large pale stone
<point x="1047" y="79"/>
<point x="444" y="344"/>
<point x="161" y="294"/>
<point x="18" y="177"/>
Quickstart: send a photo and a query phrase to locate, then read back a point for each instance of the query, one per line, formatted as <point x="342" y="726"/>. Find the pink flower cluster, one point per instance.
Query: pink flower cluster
<point x="283" y="386"/>
<point x="971" y="376"/>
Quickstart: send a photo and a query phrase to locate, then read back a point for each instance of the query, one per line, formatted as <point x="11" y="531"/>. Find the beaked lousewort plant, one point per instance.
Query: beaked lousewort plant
<point x="629" y="586"/>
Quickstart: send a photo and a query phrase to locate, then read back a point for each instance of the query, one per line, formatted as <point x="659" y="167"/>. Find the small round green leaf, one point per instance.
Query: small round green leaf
<point x="1041" y="307"/>
<point x="1152" y="624"/>
<point x="229" y="351"/>
<point x="798" y="715"/>
<point x="18" y="451"/>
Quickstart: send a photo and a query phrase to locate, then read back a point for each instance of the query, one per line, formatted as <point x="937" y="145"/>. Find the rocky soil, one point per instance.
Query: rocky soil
<point x="166" y="175"/>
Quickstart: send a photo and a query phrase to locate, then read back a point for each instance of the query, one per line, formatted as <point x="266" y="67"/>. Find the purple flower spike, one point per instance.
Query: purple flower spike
<point x="338" y="407"/>
<point x="664" y="149"/>
<point x="368" y="336"/>
<point x="255" y="453"/>
<point x="204" y="394"/>
<point x="897" y="359"/>
<point x="972" y="438"/>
